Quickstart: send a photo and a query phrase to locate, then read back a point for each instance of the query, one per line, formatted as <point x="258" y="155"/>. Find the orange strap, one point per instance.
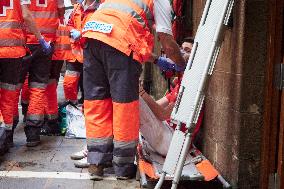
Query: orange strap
<point x="147" y="168"/>
<point x="207" y="170"/>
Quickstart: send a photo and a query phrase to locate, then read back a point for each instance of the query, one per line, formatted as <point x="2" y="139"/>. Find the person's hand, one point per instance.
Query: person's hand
<point x="141" y="89"/>
<point x="75" y="34"/>
<point x="178" y="68"/>
<point x="46" y="47"/>
<point x="166" y="64"/>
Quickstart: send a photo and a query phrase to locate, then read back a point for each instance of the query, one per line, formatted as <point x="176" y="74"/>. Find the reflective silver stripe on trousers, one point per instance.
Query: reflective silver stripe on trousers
<point x="6" y="126"/>
<point x="11" y="25"/>
<point x="62" y="47"/>
<point x="52" y="116"/>
<point x="11" y="42"/>
<point x="46" y="14"/>
<point x="62" y="33"/>
<point x="72" y="73"/>
<point x="35" y="117"/>
<point x="37" y="85"/>
<point x="99" y="141"/>
<point x="8" y="86"/>
<point x="125" y="9"/>
<point x="125" y="145"/>
<point x="19" y="86"/>
<point x="123" y="160"/>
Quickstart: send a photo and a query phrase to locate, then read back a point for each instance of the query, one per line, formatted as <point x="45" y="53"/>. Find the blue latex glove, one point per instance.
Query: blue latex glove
<point x="75" y="34"/>
<point x="46" y="47"/>
<point x="179" y="68"/>
<point x="165" y="65"/>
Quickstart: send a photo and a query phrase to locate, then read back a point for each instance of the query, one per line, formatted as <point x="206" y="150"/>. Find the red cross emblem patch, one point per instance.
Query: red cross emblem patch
<point x="4" y="5"/>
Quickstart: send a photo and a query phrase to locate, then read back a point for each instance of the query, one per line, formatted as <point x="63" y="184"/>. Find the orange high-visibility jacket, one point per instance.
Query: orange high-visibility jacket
<point x="45" y="13"/>
<point x="62" y="47"/>
<point x="12" y="38"/>
<point x="75" y="22"/>
<point x="131" y="26"/>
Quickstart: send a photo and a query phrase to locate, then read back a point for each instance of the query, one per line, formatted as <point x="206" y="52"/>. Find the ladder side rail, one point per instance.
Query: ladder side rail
<point x="208" y="65"/>
<point x="201" y="87"/>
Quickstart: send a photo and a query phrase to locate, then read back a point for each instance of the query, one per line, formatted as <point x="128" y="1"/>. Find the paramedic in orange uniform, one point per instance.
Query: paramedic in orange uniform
<point x="119" y="38"/>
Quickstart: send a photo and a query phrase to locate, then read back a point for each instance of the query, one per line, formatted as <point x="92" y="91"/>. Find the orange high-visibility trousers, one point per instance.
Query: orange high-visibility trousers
<point x="38" y="76"/>
<point x="10" y="75"/>
<point x="1" y="117"/>
<point x="25" y="95"/>
<point x="71" y="80"/>
<point x="51" y="110"/>
<point x="16" y="107"/>
<point x="111" y="108"/>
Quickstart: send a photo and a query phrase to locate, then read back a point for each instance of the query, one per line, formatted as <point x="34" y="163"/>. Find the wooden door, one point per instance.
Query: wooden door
<point x="272" y="166"/>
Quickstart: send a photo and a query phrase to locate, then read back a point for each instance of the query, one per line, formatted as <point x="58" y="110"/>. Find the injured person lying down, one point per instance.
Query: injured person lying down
<point x="155" y="128"/>
<point x="156" y="131"/>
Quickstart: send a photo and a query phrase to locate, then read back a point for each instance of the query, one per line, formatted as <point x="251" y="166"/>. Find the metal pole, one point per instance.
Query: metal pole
<point x="161" y="180"/>
<point x="224" y="182"/>
<point x="181" y="161"/>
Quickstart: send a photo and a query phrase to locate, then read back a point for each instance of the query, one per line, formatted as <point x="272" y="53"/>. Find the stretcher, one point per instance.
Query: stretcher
<point x="196" y="167"/>
<point x="183" y="160"/>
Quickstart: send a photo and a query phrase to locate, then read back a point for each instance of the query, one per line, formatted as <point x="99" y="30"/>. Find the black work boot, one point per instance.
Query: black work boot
<point x="9" y="138"/>
<point x="3" y="146"/>
<point x="51" y="127"/>
<point x="10" y="134"/>
<point x="130" y="172"/>
<point x="33" y="135"/>
<point x="96" y="172"/>
<point x="15" y="122"/>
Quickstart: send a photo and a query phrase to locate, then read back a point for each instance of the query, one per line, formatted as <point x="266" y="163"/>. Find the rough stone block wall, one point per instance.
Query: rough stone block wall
<point x="235" y="95"/>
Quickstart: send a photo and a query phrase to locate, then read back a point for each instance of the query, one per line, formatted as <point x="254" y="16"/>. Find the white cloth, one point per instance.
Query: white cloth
<point x="158" y="134"/>
<point x="163" y="12"/>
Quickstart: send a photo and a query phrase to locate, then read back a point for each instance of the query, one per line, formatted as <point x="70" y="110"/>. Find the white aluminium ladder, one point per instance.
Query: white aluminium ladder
<point x="200" y="65"/>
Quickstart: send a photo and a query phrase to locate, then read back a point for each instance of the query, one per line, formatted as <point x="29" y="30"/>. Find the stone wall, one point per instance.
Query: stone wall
<point x="235" y="95"/>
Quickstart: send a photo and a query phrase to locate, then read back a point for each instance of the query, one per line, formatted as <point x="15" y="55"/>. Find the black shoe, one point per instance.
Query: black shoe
<point x="45" y="130"/>
<point x="51" y="127"/>
<point x="131" y="173"/>
<point x="33" y="136"/>
<point x="9" y="138"/>
<point x="3" y="146"/>
<point x="96" y="172"/>
<point x="10" y="134"/>
<point x="32" y="143"/>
